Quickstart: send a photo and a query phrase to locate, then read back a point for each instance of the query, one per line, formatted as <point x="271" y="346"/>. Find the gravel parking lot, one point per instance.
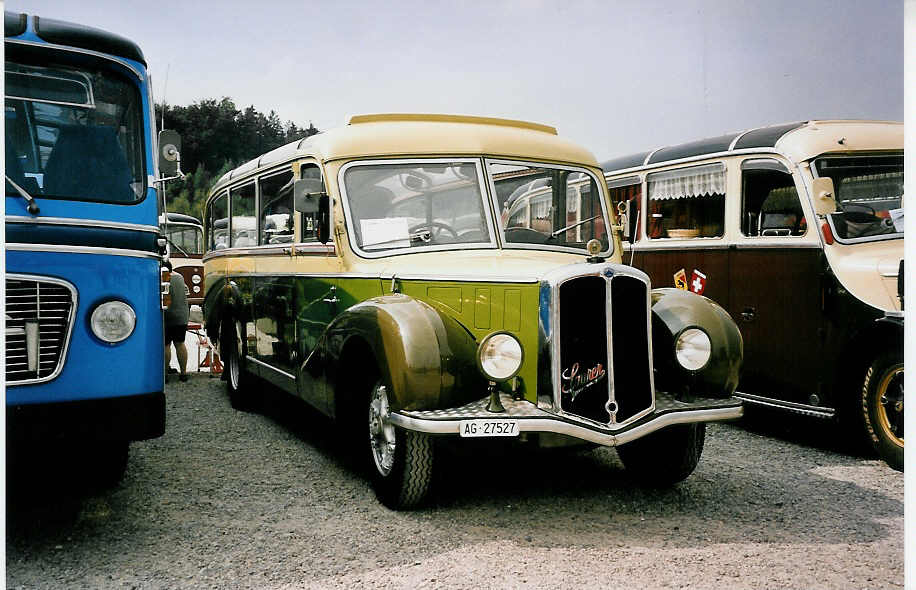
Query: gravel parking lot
<point x="265" y="500"/>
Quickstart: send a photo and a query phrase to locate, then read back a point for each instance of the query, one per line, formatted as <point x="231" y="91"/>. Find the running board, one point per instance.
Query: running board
<point x="803" y="409"/>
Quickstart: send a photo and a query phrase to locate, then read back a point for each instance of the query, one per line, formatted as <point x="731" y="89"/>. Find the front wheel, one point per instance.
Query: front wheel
<point x="665" y="457"/>
<point x="401" y="461"/>
<point x="882" y="407"/>
<point x="237" y="380"/>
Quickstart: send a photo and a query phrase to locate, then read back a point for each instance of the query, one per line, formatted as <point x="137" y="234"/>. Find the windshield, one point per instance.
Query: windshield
<point x="185" y="239"/>
<point x="73" y="133"/>
<point x="405" y="206"/>
<point x="868" y="192"/>
<point x="548" y="206"/>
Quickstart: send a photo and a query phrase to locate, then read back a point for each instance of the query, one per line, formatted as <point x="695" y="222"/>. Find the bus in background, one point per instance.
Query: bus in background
<point x="84" y="354"/>
<point x="185" y="236"/>
<point x="797" y="230"/>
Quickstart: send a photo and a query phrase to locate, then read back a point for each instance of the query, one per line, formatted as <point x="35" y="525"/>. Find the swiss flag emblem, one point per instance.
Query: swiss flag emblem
<point x="697" y="282"/>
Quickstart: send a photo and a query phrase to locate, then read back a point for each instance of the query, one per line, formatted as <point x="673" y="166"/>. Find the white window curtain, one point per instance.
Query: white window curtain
<point x="697" y="181"/>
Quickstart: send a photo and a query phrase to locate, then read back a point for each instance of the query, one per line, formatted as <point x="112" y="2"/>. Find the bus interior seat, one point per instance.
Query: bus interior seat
<point x="88" y="161"/>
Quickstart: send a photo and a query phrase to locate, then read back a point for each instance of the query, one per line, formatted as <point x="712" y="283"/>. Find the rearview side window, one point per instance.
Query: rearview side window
<point x="218" y="223"/>
<point x="687" y="202"/>
<point x="769" y="202"/>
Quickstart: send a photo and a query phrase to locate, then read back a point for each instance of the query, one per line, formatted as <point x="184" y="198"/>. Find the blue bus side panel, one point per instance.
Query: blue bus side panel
<point x="94" y="369"/>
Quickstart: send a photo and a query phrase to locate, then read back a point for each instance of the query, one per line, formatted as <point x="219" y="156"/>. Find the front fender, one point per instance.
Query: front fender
<point x="222" y="300"/>
<point x="426" y="357"/>
<point x="675" y="310"/>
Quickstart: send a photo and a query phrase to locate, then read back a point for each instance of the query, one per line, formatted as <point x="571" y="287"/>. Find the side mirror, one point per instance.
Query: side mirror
<point x="309" y="197"/>
<point x="169" y="153"/>
<point x="306" y="193"/>
<point x="627" y="221"/>
<point x="823" y="196"/>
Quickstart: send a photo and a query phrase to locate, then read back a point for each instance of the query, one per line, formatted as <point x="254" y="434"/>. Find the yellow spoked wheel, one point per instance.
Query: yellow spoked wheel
<point x="882" y="404"/>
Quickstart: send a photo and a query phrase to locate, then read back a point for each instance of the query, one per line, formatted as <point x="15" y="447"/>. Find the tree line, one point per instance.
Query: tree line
<point x="216" y="136"/>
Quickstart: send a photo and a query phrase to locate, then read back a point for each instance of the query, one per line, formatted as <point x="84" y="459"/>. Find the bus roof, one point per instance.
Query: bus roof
<point x="405" y="135"/>
<point x="799" y="141"/>
<point x="72" y="35"/>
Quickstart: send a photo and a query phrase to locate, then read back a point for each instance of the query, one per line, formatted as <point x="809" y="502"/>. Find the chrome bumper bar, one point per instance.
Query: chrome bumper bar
<point x="532" y="419"/>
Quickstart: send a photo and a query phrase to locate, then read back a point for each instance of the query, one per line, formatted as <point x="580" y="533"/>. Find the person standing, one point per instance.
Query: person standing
<point x="176" y="323"/>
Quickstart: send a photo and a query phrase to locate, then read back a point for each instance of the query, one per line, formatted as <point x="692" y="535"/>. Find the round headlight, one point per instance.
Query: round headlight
<point x="499" y="356"/>
<point x="693" y="349"/>
<point x="195" y="279"/>
<point x="113" y="321"/>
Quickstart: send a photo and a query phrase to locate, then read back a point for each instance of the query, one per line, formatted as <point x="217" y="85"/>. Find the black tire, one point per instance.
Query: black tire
<point x="238" y="381"/>
<point x="105" y="463"/>
<point x="882" y="407"/>
<point x="401" y="477"/>
<point x="665" y="457"/>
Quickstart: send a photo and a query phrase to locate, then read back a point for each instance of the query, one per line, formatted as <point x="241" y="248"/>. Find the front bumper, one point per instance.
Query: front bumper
<point x="530" y="418"/>
<point x="135" y="417"/>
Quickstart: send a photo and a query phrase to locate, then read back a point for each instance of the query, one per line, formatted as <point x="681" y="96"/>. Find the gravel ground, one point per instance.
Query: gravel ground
<point x="265" y="500"/>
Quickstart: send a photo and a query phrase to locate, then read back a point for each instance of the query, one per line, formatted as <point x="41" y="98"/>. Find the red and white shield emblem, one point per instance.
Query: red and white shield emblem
<point x="697" y="282"/>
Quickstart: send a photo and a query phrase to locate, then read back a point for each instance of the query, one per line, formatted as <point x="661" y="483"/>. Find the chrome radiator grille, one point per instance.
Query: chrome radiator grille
<point x="604" y="350"/>
<point x="39" y="316"/>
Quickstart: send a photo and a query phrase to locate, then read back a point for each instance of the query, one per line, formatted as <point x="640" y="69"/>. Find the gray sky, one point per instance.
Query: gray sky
<point x="617" y="77"/>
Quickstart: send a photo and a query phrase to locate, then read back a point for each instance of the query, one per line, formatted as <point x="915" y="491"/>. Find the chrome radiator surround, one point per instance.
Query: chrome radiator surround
<point x="54" y="317"/>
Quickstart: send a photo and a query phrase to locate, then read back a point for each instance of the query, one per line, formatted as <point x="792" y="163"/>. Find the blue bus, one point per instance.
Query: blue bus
<point x="84" y="335"/>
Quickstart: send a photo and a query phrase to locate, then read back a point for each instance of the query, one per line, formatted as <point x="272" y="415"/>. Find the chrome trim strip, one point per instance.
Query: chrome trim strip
<point x="652" y="153"/>
<point x="581" y="432"/>
<point x="302" y="249"/>
<point x="738" y="137"/>
<point x="271" y="367"/>
<point x="75" y="222"/>
<point x="804" y="409"/>
<point x="82" y="250"/>
<point x="71" y="49"/>
<point x="65" y="347"/>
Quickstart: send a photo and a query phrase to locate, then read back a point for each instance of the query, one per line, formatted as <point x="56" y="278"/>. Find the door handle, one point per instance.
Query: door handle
<point x="333" y="300"/>
<point x="748" y="314"/>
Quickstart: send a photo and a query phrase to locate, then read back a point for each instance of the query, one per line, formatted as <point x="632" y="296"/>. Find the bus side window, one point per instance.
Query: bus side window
<point x="769" y="202"/>
<point x="217" y="220"/>
<point x="243" y="225"/>
<point x="276" y="216"/>
<point x="309" y="221"/>
<point x="687" y="202"/>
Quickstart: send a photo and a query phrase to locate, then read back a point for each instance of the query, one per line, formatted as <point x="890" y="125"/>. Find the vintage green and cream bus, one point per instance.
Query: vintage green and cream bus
<point x="370" y="271"/>
<point x="797" y="231"/>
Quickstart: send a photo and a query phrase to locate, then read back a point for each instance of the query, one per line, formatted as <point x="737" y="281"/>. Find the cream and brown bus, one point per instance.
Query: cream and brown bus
<point x="796" y="230"/>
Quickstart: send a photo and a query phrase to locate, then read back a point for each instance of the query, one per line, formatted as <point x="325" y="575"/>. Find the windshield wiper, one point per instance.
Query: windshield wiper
<point x="33" y="206"/>
<point x="575" y="225"/>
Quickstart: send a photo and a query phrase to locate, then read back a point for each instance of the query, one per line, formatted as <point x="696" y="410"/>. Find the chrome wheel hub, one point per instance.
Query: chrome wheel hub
<point x="381" y="431"/>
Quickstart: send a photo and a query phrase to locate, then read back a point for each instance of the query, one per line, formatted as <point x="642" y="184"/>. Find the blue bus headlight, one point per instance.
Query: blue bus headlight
<point x="499" y="356"/>
<point x="693" y="349"/>
<point x="113" y="321"/>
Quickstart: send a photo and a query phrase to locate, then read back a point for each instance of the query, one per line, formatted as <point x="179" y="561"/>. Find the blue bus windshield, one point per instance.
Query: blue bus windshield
<point x="74" y="133"/>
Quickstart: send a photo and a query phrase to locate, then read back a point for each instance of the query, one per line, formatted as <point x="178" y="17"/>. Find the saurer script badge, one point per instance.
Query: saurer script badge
<point x="575" y="379"/>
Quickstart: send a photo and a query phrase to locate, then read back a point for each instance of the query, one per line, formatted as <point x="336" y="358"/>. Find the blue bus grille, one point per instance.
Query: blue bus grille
<point x="39" y="315"/>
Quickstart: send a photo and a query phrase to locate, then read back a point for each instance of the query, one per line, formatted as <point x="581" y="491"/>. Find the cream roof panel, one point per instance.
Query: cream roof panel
<point x="405" y="135"/>
<point x="400" y="135"/>
<point x="820" y="137"/>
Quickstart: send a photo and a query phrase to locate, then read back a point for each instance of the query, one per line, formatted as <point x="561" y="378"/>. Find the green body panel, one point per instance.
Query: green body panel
<point x="478" y="308"/>
<point x="483" y="308"/>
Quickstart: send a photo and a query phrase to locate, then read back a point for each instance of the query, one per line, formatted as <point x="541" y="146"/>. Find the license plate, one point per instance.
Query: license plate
<point x="485" y="427"/>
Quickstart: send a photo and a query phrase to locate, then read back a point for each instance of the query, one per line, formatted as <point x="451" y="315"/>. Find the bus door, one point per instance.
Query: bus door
<point x="775" y="285"/>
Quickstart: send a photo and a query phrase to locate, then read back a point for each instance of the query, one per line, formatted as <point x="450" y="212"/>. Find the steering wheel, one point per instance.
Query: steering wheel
<point x="435" y="230"/>
<point x="863" y="206"/>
